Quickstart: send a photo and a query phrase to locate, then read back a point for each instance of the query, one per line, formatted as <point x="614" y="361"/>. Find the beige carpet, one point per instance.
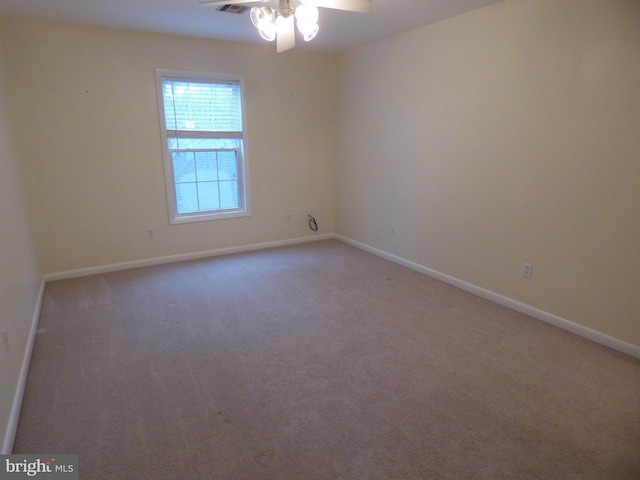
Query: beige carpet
<point x="318" y="361"/>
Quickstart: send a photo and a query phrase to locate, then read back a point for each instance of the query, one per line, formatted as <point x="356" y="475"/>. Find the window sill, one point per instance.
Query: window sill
<point x="205" y="217"/>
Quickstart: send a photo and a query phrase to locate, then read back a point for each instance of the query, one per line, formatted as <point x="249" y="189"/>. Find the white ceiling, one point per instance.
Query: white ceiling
<point x="339" y="30"/>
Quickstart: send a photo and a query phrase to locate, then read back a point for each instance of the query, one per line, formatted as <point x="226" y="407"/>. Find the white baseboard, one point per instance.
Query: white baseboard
<point x="148" y="262"/>
<point x="575" y="328"/>
<point x="14" y="415"/>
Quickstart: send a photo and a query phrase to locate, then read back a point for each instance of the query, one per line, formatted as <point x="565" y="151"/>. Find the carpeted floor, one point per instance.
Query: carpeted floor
<point x="318" y="361"/>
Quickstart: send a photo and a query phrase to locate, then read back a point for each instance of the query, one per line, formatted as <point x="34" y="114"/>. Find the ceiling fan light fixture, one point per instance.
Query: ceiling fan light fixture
<point x="259" y="14"/>
<point x="307" y="14"/>
<point x="307" y="21"/>
<point x="279" y="23"/>
<point x="263" y="19"/>
<point x="308" y="31"/>
<point x="267" y="30"/>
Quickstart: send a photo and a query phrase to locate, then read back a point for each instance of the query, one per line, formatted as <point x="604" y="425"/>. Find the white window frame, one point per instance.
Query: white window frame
<point x="243" y="167"/>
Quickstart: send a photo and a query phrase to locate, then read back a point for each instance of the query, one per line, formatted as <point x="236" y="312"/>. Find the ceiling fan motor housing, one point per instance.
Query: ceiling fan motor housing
<point x="286" y="10"/>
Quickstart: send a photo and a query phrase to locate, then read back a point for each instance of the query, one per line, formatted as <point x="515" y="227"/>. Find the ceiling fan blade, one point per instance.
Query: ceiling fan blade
<point x="362" y="6"/>
<point x="286" y="38"/>
<point x="216" y="3"/>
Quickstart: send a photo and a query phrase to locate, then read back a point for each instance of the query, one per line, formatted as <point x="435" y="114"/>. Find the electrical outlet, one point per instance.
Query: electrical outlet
<point x="5" y="340"/>
<point x="527" y="270"/>
<point x="151" y="233"/>
<point x="288" y="217"/>
<point x="393" y="230"/>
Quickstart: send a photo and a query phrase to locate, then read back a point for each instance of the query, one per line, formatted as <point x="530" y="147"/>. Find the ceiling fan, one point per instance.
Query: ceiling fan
<point x="277" y="23"/>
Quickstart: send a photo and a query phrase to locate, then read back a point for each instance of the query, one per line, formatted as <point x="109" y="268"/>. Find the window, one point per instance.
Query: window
<point x="203" y="145"/>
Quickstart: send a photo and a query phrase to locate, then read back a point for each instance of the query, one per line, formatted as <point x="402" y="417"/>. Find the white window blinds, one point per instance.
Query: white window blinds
<point x="192" y="106"/>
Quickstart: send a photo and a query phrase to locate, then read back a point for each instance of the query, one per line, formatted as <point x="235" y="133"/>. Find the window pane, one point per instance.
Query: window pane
<point x="184" y="169"/>
<point x="195" y="106"/>
<point x="206" y="166"/>
<point x="208" y="196"/>
<point x="227" y="165"/>
<point x="186" y="197"/>
<point x="229" y="195"/>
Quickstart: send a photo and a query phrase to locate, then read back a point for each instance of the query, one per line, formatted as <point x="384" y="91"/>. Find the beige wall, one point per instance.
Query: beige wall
<point x="88" y="134"/>
<point x="19" y="277"/>
<point x="510" y="134"/>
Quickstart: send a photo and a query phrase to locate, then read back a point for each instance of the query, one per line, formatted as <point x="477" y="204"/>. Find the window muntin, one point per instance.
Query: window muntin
<point x="203" y="141"/>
